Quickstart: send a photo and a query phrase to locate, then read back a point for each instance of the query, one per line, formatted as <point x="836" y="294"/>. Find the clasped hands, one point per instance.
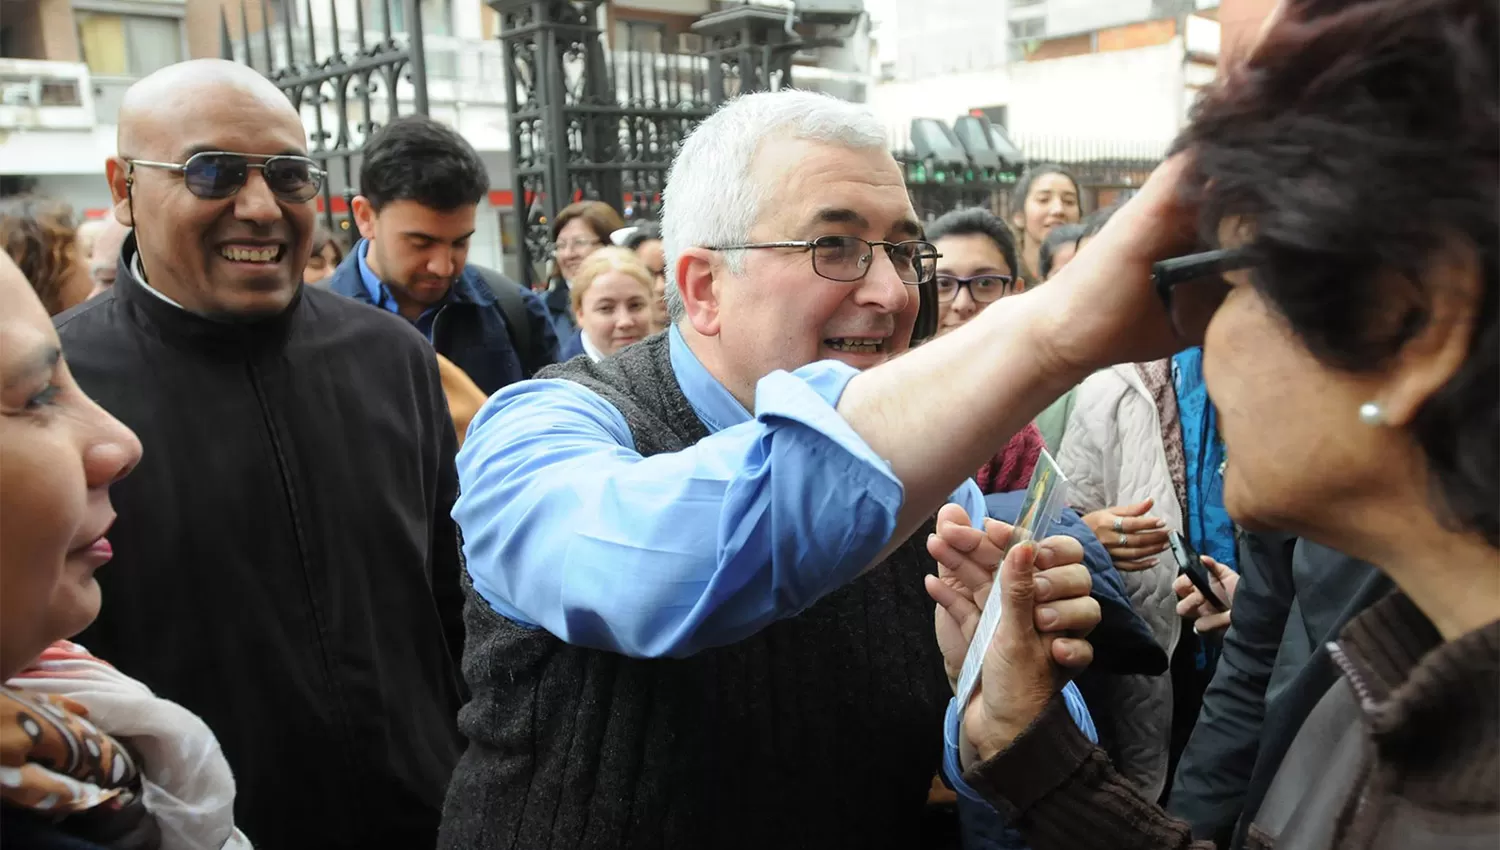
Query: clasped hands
<point x="1040" y="642"/>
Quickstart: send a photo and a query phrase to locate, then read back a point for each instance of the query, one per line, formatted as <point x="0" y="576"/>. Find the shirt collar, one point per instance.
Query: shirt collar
<point x="716" y="407"/>
<point x="140" y="277"/>
<point x="590" y="349"/>
<point x="379" y="295"/>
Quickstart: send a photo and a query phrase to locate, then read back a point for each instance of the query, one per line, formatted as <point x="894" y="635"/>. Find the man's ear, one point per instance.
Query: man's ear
<point x="700" y="295"/>
<point x="364" y="216"/>
<point x="117" y="172"/>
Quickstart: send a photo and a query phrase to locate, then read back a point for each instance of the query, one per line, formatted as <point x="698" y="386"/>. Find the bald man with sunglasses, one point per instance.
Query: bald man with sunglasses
<point x="285" y="565"/>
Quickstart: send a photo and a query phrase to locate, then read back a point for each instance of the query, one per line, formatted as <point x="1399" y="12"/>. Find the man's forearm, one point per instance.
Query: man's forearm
<point x="939" y="412"/>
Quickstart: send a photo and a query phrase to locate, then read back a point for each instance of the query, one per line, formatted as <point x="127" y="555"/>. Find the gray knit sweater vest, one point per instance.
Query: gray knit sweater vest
<point x="822" y="731"/>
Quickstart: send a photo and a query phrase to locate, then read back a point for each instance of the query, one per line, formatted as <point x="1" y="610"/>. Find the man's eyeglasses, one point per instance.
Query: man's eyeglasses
<point x="1193" y="287"/>
<point x="847" y="259"/>
<point x="983" y="288"/>
<point x="576" y="245"/>
<point x="215" y="175"/>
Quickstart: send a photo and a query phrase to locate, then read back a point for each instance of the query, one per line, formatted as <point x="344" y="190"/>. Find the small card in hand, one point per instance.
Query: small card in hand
<point x="1045" y="499"/>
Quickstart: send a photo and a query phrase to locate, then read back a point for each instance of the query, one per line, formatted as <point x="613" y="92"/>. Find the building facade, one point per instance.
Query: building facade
<point x="1070" y="80"/>
<point x="64" y="65"/>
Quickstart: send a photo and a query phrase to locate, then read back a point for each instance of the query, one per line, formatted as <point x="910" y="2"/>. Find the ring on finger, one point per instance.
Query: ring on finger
<point x="1119" y="524"/>
<point x="1124" y="538"/>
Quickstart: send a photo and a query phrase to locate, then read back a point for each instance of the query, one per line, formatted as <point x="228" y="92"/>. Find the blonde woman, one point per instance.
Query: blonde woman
<point x="612" y="299"/>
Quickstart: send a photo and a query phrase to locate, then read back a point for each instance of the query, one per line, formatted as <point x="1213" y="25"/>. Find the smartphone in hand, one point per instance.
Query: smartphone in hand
<point x="1190" y="565"/>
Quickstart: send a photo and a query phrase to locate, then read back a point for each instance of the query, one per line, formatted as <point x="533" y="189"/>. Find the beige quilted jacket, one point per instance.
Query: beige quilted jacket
<point x="1112" y="455"/>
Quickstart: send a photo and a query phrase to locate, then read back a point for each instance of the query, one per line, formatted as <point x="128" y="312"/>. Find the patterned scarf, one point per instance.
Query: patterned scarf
<point x="93" y="753"/>
<point x="56" y="763"/>
<point x="1157" y="376"/>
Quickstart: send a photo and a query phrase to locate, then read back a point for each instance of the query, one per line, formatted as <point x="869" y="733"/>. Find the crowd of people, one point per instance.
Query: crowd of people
<point x="306" y="543"/>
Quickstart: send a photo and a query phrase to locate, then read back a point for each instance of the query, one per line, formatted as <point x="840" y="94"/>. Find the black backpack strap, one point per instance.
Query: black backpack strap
<point x="517" y="317"/>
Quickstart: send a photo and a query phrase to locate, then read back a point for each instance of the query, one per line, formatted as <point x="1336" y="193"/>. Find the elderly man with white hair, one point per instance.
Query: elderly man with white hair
<point x="697" y="615"/>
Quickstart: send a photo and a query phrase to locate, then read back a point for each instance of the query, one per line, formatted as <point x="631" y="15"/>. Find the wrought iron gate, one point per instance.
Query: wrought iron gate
<point x="589" y="119"/>
<point x="343" y="88"/>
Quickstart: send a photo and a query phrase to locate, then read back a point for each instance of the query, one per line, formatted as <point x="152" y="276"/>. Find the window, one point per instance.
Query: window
<point x="128" y="45"/>
<point x="1030" y="28"/>
<point x="638" y="36"/>
<point x="437" y="16"/>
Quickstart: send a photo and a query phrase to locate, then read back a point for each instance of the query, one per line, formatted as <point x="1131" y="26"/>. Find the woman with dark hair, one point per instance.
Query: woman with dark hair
<point x="1349" y="308"/>
<point x="579" y="230"/>
<point x="975" y="269"/>
<point x="1057" y="250"/>
<point x="89" y="757"/>
<point x="1045" y="198"/>
<point x="40" y="235"/>
<point x="327" y="253"/>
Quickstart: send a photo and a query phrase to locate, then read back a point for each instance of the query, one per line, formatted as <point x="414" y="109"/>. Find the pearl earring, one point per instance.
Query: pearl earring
<point x="1372" y="414"/>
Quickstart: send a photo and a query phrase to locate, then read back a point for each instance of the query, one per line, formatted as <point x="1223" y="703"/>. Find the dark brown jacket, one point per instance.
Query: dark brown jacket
<point x="1403" y="752"/>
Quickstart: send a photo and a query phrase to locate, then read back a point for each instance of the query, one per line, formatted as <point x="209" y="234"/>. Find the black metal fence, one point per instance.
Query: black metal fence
<point x="344" y="87"/>
<point x="1108" y="172"/>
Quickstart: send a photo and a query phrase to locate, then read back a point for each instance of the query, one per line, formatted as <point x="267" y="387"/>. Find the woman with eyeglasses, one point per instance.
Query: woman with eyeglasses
<point x="89" y="757"/>
<point x="579" y="230"/>
<point x="976" y="269"/>
<point x="1344" y="180"/>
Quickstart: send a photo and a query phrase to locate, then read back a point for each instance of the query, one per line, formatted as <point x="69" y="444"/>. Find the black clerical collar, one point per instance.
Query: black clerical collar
<point x="170" y="318"/>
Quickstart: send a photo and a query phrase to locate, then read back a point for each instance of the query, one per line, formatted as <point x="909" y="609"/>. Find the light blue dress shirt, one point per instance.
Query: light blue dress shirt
<point x="568" y="528"/>
<point x="381" y="297"/>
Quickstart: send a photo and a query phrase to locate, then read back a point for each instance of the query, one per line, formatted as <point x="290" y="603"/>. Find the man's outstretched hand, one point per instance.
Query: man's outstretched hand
<point x="1040" y="641"/>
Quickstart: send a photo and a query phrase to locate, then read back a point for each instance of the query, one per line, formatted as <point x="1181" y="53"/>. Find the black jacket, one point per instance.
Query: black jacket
<point x="1293" y="597"/>
<point x="285" y="564"/>
<point x="471" y="328"/>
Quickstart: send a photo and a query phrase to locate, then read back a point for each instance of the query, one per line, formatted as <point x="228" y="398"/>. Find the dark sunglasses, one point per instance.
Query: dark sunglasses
<point x="215" y="175"/>
<point x="983" y="288"/>
<point x="1193" y="287"/>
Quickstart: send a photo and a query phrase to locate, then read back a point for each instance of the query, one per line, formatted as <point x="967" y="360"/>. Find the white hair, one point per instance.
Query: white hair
<point x="710" y="198"/>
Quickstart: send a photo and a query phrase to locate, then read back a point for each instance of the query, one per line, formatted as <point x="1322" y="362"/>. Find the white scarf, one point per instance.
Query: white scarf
<point x="185" y="781"/>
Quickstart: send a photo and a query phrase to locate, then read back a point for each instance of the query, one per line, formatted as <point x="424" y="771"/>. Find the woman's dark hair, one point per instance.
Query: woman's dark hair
<point x="1066" y="234"/>
<point x="1095" y="221"/>
<point x="1029" y="176"/>
<point x="415" y="158"/>
<point x="644" y="232"/>
<point x="322" y="238"/>
<point x="40" y="235"/>
<point x="1359" y="142"/>
<point x="599" y="216"/>
<point x="976" y="221"/>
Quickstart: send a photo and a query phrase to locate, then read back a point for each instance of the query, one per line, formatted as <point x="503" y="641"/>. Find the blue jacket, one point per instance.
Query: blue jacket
<point x="571" y="348"/>
<point x="470" y="328"/>
<point x="560" y="310"/>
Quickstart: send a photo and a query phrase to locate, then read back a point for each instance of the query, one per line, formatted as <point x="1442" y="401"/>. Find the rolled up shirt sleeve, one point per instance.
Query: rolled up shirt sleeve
<point x="568" y="528"/>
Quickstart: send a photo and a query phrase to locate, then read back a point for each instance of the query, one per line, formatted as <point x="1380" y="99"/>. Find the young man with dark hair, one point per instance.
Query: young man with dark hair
<point x="420" y="186"/>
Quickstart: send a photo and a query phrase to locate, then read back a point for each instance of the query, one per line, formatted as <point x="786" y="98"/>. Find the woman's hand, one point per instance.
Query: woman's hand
<point x="1192" y="606"/>
<point x="1059" y="611"/>
<point x="1101" y="308"/>
<point x="1132" y="537"/>
<point x="1026" y="664"/>
<point x="967" y="559"/>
